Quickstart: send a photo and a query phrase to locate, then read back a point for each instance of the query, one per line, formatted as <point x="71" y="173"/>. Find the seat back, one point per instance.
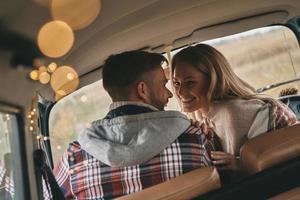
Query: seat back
<point x="269" y="149"/>
<point x="293" y="194"/>
<point x="186" y="186"/>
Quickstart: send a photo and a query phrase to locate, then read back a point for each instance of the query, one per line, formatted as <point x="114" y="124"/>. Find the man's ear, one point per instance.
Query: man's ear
<point x="143" y="91"/>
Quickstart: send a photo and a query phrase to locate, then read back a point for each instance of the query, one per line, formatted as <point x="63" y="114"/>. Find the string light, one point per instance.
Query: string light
<point x="83" y="98"/>
<point x="63" y="79"/>
<point x="45" y="138"/>
<point x="7" y="117"/>
<point x="32" y="116"/>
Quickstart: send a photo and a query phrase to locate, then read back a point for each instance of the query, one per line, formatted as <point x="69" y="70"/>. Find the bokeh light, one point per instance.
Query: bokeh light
<point x="44" y="77"/>
<point x="34" y="75"/>
<point x="42" y="69"/>
<point x="55" y="39"/>
<point x="77" y="13"/>
<point x="64" y="80"/>
<point x="52" y="67"/>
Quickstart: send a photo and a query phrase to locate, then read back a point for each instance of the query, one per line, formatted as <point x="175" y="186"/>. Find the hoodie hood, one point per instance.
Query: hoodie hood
<point x="132" y="139"/>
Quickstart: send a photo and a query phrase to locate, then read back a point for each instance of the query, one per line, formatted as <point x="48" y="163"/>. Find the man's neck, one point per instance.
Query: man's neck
<point x="117" y="104"/>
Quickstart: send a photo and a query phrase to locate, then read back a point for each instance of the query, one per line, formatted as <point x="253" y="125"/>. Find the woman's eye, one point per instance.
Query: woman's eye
<point x="190" y="83"/>
<point x="176" y="84"/>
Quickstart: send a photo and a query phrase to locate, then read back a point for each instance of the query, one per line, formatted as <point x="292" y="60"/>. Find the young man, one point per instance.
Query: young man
<point x="137" y="144"/>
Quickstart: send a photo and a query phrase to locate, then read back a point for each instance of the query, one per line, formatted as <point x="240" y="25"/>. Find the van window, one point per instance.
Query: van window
<point x="12" y="177"/>
<point x="7" y="125"/>
<point x="263" y="56"/>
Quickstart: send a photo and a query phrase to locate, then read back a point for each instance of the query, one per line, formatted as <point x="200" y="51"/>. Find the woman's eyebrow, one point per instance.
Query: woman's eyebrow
<point x="188" y="77"/>
<point x="185" y="78"/>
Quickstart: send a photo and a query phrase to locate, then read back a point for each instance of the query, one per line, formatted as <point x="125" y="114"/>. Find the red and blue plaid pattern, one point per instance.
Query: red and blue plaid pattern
<point x="82" y="176"/>
<point x="282" y="117"/>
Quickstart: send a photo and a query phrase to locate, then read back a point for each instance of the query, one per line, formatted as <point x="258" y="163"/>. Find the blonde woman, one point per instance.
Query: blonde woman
<point x="206" y="85"/>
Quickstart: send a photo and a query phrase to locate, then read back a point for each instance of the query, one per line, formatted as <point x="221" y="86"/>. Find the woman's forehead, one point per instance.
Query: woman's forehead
<point x="185" y="70"/>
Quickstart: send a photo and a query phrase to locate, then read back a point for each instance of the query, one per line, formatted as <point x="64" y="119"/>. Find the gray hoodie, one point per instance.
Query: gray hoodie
<point x="132" y="139"/>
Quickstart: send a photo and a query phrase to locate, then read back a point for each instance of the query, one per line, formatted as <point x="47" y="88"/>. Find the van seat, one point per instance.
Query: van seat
<point x="269" y="149"/>
<point x="292" y="194"/>
<point x="186" y="186"/>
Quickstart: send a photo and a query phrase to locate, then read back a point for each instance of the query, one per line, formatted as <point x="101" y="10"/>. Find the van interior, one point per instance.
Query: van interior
<point x="51" y="83"/>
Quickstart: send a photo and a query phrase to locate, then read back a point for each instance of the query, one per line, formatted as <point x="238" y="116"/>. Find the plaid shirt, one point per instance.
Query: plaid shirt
<point x="81" y="176"/>
<point x="281" y="117"/>
<point x="7" y="189"/>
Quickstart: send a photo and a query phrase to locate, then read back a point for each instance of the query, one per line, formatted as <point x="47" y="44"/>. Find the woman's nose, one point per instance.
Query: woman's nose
<point x="180" y="91"/>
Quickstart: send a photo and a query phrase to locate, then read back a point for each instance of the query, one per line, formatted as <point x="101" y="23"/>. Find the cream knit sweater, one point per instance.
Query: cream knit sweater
<point x="238" y="120"/>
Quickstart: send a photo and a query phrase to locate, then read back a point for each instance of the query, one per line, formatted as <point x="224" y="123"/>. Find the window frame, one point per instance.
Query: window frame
<point x="17" y="141"/>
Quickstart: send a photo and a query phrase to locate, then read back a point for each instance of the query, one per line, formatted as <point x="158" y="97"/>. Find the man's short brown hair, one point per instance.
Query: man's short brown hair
<point x="122" y="71"/>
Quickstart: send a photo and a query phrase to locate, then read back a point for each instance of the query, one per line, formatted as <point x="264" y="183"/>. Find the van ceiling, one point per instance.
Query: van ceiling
<point x="135" y="24"/>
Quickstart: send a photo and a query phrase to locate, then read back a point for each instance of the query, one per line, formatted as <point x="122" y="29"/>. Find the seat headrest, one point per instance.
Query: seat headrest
<point x="269" y="149"/>
<point x="186" y="186"/>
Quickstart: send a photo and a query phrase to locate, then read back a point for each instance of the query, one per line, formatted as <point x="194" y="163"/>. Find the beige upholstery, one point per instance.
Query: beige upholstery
<point x="293" y="194"/>
<point x="270" y="149"/>
<point x="187" y="186"/>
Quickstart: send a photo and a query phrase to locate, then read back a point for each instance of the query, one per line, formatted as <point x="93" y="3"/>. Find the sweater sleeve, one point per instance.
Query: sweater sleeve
<point x="260" y="123"/>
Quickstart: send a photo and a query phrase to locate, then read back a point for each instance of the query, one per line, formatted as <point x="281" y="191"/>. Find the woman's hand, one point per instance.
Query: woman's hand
<point x="225" y="161"/>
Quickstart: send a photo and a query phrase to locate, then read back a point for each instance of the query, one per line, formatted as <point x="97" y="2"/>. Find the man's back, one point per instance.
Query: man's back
<point x="86" y="177"/>
<point x="84" y="174"/>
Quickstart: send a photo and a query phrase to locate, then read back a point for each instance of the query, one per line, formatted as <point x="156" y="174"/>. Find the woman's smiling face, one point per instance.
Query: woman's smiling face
<point x="191" y="87"/>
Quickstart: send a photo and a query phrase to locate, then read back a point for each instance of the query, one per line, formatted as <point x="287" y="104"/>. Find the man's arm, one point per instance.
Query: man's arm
<point x="61" y="173"/>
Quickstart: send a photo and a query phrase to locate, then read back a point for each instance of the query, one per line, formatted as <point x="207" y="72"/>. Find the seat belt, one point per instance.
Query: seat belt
<point x="46" y="173"/>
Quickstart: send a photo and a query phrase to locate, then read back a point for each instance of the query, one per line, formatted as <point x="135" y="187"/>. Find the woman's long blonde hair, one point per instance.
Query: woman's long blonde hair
<point x="224" y="83"/>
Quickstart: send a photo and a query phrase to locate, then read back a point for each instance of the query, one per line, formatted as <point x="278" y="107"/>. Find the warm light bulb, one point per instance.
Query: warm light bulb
<point x="42" y="69"/>
<point x="55" y="39"/>
<point x="52" y="67"/>
<point x="83" y="98"/>
<point x="44" y="77"/>
<point x="83" y="12"/>
<point x="34" y="75"/>
<point x="70" y="76"/>
<point x="64" y="80"/>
